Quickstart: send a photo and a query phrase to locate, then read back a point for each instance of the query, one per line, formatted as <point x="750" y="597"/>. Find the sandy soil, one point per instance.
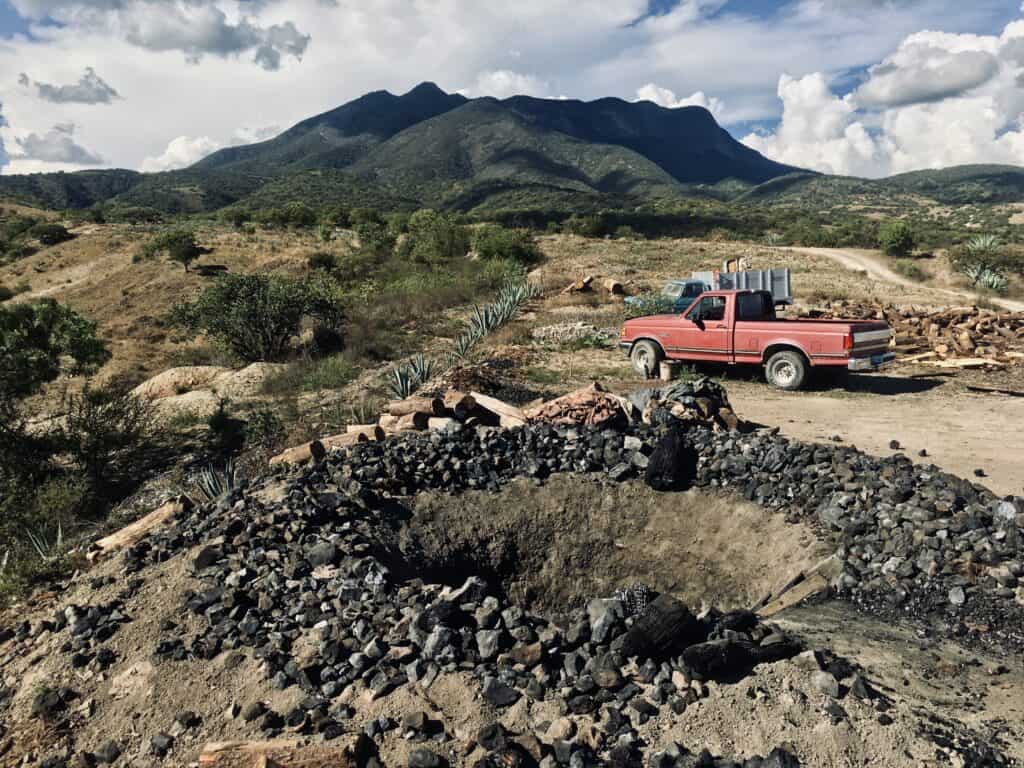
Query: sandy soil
<point x="960" y="430"/>
<point x="872" y="263"/>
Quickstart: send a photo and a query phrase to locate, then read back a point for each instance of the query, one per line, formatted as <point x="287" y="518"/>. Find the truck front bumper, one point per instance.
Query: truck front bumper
<point x="872" y="363"/>
<point x="626" y="346"/>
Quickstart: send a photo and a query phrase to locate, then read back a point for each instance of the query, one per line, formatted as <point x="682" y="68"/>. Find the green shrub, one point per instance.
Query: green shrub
<point x="493" y="242"/>
<point x="179" y="245"/>
<point x="255" y="316"/>
<point x="50" y="234"/>
<point x="374" y="237"/>
<point x="323" y="260"/>
<point x="434" y="238"/>
<point x="105" y="433"/>
<point x="896" y="238"/>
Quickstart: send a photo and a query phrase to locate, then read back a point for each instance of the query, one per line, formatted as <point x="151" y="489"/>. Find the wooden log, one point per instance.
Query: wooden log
<point x="438" y="423"/>
<point x="387" y="422"/>
<point x="614" y="287"/>
<point x="508" y="415"/>
<point x="300" y="454"/>
<point x="433" y="406"/>
<point x="138" y="530"/>
<point x="459" y="404"/>
<point x="346" y="440"/>
<point x="370" y="431"/>
<point x="414" y="421"/>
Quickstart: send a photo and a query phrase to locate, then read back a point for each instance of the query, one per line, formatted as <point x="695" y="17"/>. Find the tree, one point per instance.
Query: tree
<point x="179" y="245"/>
<point x="50" y="234"/>
<point x="896" y="238"/>
<point x="41" y="339"/>
<point x="255" y="316"/>
<point x="435" y="237"/>
<point x="493" y="242"/>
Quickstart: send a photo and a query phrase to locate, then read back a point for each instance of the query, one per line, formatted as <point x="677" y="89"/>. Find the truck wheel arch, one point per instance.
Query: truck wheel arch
<point x="785" y="346"/>
<point x="653" y="341"/>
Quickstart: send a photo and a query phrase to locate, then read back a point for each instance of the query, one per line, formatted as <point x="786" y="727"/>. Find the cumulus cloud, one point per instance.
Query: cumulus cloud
<point x="194" y="27"/>
<point x="921" y="72"/>
<point x="503" y="83"/>
<point x="664" y="97"/>
<point x="90" y="89"/>
<point x="898" y="125"/>
<point x="57" y="146"/>
<point x="184" y="151"/>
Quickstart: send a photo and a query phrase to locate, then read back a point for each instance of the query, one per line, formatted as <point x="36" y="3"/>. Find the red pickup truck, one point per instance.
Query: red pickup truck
<point x="741" y="327"/>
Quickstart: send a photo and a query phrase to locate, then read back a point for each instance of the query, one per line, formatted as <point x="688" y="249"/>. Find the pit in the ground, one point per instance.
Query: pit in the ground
<point x="552" y="547"/>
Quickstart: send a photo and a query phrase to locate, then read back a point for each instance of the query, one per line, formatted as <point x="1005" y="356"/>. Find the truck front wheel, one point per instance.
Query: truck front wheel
<point x="646" y="358"/>
<point x="786" y="370"/>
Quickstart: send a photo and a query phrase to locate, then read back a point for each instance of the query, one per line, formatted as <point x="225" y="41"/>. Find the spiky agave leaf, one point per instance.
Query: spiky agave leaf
<point x="422" y="368"/>
<point x="400" y="381"/>
<point x="215" y="484"/>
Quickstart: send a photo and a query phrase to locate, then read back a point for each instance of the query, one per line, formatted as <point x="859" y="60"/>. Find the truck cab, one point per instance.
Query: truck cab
<point x="741" y="327"/>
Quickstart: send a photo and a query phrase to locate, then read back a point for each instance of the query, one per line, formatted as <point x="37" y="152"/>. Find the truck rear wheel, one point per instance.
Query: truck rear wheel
<point x="786" y="370"/>
<point x="646" y="358"/>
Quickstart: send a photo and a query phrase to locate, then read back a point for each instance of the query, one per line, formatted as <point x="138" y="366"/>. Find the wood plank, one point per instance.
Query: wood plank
<point x="138" y="530"/>
<point x="996" y="390"/>
<point x="508" y="415"/>
<point x="347" y="752"/>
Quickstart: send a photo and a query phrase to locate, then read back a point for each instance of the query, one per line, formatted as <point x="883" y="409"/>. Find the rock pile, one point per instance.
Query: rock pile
<point x="955" y="334"/>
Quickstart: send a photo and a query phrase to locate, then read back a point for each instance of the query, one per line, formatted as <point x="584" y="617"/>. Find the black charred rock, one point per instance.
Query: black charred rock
<point x="673" y="464"/>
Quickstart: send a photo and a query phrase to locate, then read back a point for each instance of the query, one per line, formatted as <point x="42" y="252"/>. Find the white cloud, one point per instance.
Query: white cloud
<point x="663" y="97"/>
<point x="184" y="151"/>
<point x="904" y="119"/>
<point x="180" y="153"/>
<point x="503" y="83"/>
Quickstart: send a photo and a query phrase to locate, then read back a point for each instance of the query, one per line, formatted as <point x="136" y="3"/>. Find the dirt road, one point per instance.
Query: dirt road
<point x="961" y="431"/>
<point x="866" y="261"/>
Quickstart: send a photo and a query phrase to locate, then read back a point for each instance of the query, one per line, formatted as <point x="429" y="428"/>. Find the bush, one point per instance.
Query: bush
<point x="179" y="245"/>
<point x="896" y="238"/>
<point x="105" y="432"/>
<point x="255" y="316"/>
<point x="324" y="261"/>
<point x="435" y="237"/>
<point x="492" y="242"/>
<point x="50" y="234"/>
<point x="375" y="238"/>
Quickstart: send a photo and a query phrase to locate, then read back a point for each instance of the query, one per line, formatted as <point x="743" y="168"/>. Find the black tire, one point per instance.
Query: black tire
<point x="646" y="357"/>
<point x="786" y="370"/>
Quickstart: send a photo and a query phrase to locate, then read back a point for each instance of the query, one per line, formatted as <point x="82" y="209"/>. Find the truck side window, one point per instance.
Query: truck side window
<point x="754" y="306"/>
<point x="709" y="308"/>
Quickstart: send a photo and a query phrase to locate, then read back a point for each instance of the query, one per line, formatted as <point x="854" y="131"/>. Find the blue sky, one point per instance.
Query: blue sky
<point x="852" y="86"/>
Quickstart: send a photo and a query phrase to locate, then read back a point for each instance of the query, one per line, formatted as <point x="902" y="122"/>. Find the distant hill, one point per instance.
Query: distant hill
<point x="431" y="148"/>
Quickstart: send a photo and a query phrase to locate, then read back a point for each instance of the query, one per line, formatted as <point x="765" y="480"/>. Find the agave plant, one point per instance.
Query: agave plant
<point x="987" y="277"/>
<point x="422" y="368"/>
<point x="463" y="345"/>
<point x="980" y="245"/>
<point x="214" y="484"/>
<point x="401" y="381"/>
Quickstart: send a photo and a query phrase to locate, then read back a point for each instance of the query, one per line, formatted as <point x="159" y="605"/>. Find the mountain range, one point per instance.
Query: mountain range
<point x="442" y="150"/>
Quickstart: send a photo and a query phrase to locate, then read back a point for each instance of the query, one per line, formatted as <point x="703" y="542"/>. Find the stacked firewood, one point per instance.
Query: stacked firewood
<point x="957" y="337"/>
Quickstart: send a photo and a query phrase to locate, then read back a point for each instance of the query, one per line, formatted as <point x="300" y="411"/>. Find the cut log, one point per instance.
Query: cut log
<point x="579" y="286"/>
<point x="459" y="404"/>
<point x="388" y="422"/>
<point x="300" y="454"/>
<point x="614" y="287"/>
<point x="138" y="530"/>
<point x="433" y="406"/>
<point x="370" y="431"/>
<point x="508" y="415"/>
<point x="965" y="362"/>
<point x="416" y="421"/>
<point x="347" y="752"/>
<point x="438" y="423"/>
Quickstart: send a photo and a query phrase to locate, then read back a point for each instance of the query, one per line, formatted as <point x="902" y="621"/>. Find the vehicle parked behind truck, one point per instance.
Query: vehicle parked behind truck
<point x="741" y="328"/>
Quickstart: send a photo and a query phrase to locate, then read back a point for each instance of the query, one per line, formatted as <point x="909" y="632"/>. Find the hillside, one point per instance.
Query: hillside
<point x="428" y="147"/>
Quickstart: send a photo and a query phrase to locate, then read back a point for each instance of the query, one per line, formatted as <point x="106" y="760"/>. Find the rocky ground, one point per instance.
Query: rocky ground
<point x="343" y="600"/>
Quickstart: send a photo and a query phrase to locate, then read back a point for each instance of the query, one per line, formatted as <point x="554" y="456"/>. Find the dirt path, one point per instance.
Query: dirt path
<point x="961" y="431"/>
<point x="877" y="270"/>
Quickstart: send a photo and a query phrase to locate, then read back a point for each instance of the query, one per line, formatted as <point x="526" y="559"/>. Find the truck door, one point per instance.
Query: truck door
<point x="704" y="332"/>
